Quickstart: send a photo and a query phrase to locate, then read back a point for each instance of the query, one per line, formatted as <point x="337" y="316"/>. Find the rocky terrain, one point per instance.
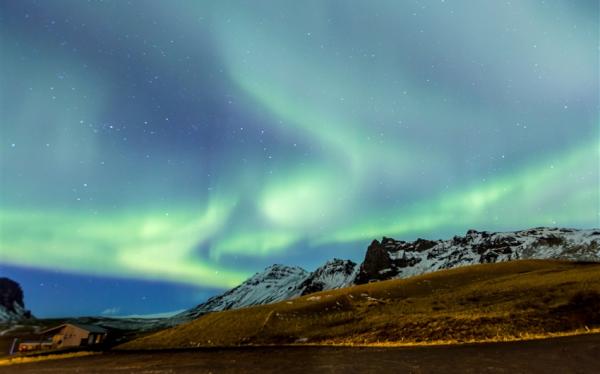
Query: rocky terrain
<point x="393" y="259"/>
<point x="390" y="259"/>
<point x="12" y="306"/>
<point x="334" y="274"/>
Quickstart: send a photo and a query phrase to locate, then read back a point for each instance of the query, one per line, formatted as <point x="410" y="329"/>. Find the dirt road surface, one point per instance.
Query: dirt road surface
<point x="578" y="354"/>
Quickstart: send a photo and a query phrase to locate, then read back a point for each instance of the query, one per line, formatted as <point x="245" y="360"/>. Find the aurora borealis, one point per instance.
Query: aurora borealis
<point x="194" y="142"/>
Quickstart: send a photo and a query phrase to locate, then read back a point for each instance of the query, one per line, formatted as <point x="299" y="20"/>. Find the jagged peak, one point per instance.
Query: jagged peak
<point x="336" y="261"/>
<point x="277" y="270"/>
<point x="282" y="267"/>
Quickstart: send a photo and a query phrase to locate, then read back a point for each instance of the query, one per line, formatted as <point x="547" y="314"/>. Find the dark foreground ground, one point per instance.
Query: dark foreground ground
<point x="579" y="354"/>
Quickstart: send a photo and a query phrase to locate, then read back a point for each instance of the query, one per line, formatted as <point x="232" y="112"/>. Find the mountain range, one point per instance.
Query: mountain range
<point x="384" y="259"/>
<point x="393" y="259"/>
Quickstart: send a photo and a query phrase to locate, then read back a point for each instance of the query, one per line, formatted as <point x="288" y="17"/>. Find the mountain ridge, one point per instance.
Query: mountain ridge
<point x="394" y="259"/>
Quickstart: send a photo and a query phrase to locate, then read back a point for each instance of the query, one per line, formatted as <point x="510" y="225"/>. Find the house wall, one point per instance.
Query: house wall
<point x="70" y="336"/>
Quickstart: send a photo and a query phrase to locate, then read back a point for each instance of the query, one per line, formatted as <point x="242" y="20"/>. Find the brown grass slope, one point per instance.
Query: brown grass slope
<point x="501" y="301"/>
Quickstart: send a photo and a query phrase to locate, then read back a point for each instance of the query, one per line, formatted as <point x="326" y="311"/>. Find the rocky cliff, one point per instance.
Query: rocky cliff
<point x="12" y="306"/>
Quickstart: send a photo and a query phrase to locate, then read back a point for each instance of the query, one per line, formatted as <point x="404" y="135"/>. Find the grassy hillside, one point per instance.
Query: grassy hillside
<point x="476" y="303"/>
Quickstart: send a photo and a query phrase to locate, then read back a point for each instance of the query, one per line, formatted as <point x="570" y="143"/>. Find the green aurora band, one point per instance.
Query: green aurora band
<point x="328" y="125"/>
<point x="163" y="246"/>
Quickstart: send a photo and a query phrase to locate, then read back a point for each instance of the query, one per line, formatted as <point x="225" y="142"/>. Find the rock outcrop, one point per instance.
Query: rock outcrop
<point x="12" y="306"/>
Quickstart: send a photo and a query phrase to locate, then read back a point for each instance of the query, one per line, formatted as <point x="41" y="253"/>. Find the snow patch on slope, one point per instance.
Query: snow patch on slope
<point x="275" y="283"/>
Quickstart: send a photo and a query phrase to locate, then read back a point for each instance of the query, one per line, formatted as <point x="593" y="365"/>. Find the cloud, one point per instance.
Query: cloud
<point x="111" y="311"/>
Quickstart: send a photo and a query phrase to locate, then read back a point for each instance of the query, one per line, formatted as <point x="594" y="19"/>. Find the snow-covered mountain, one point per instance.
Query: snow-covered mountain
<point x="389" y="259"/>
<point x="399" y="259"/>
<point x="334" y="274"/>
<point x="12" y="307"/>
<point x="275" y="283"/>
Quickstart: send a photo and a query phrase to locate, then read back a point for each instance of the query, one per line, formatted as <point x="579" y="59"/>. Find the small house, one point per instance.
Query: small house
<point x="75" y="335"/>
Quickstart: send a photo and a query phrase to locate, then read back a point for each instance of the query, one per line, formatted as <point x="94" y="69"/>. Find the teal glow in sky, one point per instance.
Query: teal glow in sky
<point x="197" y="142"/>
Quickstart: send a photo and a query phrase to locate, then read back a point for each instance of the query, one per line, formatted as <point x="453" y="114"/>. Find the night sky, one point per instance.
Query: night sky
<point x="154" y="153"/>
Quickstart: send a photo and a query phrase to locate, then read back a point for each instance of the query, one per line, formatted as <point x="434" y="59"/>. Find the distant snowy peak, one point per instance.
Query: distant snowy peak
<point x="399" y="259"/>
<point x="334" y="274"/>
<point x="275" y="283"/>
<point x="278" y="283"/>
